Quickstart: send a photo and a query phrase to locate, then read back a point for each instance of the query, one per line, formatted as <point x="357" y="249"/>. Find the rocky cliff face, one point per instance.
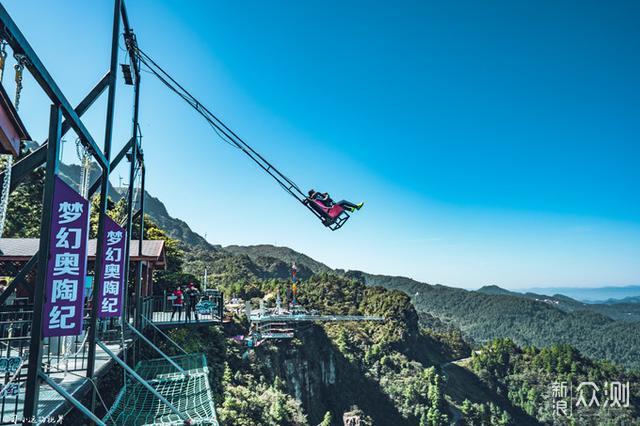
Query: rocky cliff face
<point x="317" y="374"/>
<point x="307" y="369"/>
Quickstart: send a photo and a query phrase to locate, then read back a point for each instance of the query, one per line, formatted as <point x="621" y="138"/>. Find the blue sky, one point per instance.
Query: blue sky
<point x="493" y="142"/>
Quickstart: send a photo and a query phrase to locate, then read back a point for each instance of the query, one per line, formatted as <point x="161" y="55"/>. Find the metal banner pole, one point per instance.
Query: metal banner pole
<point x="35" y="345"/>
<point x="140" y="240"/>
<point x="104" y="194"/>
<point x="134" y="158"/>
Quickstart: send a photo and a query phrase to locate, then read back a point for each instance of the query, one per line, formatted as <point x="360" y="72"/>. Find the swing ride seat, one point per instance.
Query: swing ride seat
<point x="332" y="217"/>
<point x="12" y="130"/>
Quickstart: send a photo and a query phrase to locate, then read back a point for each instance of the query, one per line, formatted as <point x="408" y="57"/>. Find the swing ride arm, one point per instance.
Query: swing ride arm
<point x="227" y="134"/>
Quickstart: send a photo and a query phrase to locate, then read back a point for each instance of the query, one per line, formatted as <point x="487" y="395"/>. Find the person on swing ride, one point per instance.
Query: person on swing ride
<point x="326" y="200"/>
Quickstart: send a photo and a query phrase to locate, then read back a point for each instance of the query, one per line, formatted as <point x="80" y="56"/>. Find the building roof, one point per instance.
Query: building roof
<point x="22" y="249"/>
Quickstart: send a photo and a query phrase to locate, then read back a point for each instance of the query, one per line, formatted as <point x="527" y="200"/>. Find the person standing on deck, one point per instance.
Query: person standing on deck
<point x="177" y="302"/>
<point x="193" y="297"/>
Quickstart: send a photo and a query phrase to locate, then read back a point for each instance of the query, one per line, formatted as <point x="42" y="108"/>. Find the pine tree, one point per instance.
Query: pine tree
<point x="227" y="376"/>
<point x="277" y="410"/>
<point x="423" y="419"/>
<point x="326" y="421"/>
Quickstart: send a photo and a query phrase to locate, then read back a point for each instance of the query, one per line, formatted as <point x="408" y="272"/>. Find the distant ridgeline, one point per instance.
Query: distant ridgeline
<point x="600" y="331"/>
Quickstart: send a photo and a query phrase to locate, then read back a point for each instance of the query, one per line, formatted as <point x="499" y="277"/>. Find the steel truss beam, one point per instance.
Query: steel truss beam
<point x="71" y="399"/>
<point x="104" y="195"/>
<point x="35" y="345"/>
<point x="20" y="45"/>
<point x="35" y="160"/>
<point x="114" y="163"/>
<point x="155" y="327"/>
<point x="48" y="153"/>
<point x="155" y="348"/>
<point x="38" y="157"/>
<point x="143" y="382"/>
<point x="19" y="279"/>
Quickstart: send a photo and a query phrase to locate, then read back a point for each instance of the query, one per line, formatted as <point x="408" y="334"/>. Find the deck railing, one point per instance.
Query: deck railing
<point x="163" y="311"/>
<point x="69" y="355"/>
<point x="62" y="355"/>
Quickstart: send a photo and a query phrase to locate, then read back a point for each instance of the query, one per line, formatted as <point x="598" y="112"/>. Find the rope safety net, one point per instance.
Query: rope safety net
<point x="190" y="394"/>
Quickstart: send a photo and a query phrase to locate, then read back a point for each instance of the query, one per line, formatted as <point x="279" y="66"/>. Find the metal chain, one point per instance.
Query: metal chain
<point x="136" y="185"/>
<point x="3" y="57"/>
<point x="4" y="196"/>
<point x="21" y="61"/>
<point x="85" y="164"/>
<point x="8" y="159"/>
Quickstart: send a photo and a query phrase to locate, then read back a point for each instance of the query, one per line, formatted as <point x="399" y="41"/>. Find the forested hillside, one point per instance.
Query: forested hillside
<point x="484" y="317"/>
<point x="391" y="373"/>
<point x="526" y="376"/>
<point x="284" y="254"/>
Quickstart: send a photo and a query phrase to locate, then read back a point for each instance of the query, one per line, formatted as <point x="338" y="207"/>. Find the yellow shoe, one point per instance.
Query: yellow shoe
<point x="359" y="206"/>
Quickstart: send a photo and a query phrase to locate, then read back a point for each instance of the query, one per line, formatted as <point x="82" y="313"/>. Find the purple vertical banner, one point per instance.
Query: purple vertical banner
<point x="112" y="274"/>
<point x="67" y="263"/>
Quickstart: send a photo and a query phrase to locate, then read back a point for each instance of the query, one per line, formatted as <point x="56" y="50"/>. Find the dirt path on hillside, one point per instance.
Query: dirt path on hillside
<point x="463" y="384"/>
<point x="455" y="411"/>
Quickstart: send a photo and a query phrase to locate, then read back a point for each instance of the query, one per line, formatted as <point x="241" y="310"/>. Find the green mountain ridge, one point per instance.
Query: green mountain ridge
<point x="623" y="310"/>
<point x="174" y="227"/>
<point x="590" y="294"/>
<point x="285" y="254"/>
<point x="483" y="317"/>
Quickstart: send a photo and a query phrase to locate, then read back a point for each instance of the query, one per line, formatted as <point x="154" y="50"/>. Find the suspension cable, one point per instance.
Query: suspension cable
<point x="221" y="129"/>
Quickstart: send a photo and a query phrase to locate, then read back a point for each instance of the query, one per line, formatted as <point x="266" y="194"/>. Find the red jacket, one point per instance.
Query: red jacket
<point x="178" y="297"/>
